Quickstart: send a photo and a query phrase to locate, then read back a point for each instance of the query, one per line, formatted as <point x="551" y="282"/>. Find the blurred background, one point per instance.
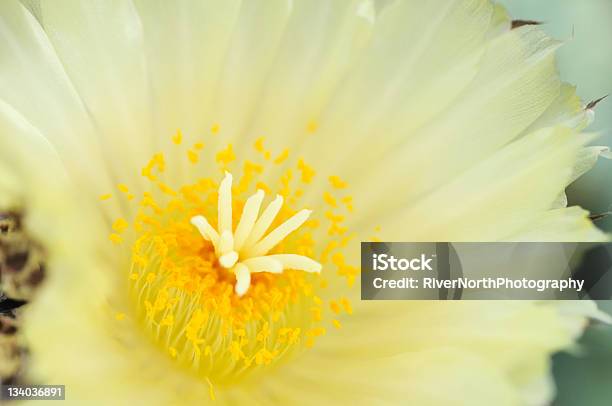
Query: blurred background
<point x="586" y="61"/>
<point x="584" y="377"/>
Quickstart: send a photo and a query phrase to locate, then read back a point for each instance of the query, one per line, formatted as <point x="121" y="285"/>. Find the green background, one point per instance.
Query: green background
<point x="586" y="61"/>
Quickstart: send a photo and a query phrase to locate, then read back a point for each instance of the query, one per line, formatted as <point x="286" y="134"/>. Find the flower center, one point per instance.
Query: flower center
<point x="245" y="251"/>
<point x="229" y="300"/>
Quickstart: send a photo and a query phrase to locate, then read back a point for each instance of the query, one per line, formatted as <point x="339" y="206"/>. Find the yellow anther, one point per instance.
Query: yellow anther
<point x="312" y="126"/>
<point x="346" y="304"/>
<point x="146" y="172"/>
<point x="192" y="156"/>
<point x="226" y="156"/>
<point x="338" y="259"/>
<point x="123" y="188"/>
<point x="334" y="306"/>
<point x="348" y="271"/>
<point x="166" y="189"/>
<point x="332" y="245"/>
<point x="337" y="183"/>
<point x="316" y="332"/>
<point x="335" y="229"/>
<point x="177" y="138"/>
<point x="167" y="321"/>
<point x="259" y="144"/>
<point x="348" y="202"/>
<point x="264" y="332"/>
<point x="334" y="218"/>
<point x="157" y="161"/>
<point x="106" y="196"/>
<point x="115" y="238"/>
<point x="329" y="199"/>
<point x="316" y="314"/>
<point x="214" y="129"/>
<point x="282" y="157"/>
<point x="211" y="390"/>
<point x="312" y="223"/>
<point x="336" y="323"/>
<point x="161" y="300"/>
<point x="307" y="172"/>
<point x="252" y="167"/>
<point x="120" y="225"/>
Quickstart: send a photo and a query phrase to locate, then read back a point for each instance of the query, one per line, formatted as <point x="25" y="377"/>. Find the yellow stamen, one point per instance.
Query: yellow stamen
<point x="329" y="199"/>
<point x="312" y="126"/>
<point x="119" y="225"/>
<point x="259" y="144"/>
<point x="337" y="183"/>
<point x="178" y="137"/>
<point x="307" y="172"/>
<point x="282" y="157"/>
<point x="193" y="156"/>
<point x="226" y="156"/>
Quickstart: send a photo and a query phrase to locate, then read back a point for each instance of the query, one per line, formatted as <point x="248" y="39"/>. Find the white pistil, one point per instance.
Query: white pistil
<point x="228" y="260"/>
<point x="244" y="252"/>
<point x="279" y="234"/>
<point x="206" y="230"/>
<point x="263" y="264"/>
<point x="226" y="242"/>
<point x="298" y="262"/>
<point x="248" y="219"/>
<point x="243" y="279"/>
<point x="265" y="221"/>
